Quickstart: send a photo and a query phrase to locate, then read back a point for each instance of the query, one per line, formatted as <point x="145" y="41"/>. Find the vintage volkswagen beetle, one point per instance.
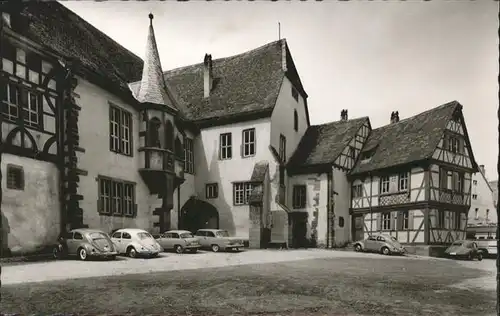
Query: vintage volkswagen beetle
<point x="464" y="249"/>
<point x="85" y="243"/>
<point x="135" y="242"/>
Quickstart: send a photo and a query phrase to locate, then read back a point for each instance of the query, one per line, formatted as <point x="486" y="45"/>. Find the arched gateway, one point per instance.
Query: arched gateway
<point x="197" y="214"/>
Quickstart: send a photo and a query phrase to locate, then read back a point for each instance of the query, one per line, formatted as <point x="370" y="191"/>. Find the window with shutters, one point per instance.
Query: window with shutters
<point x="441" y="215"/>
<point x="248" y="142"/>
<point x="120" y="131"/>
<point x="242" y="192"/>
<point x="404" y="220"/>
<point x="116" y="197"/>
<point x="403" y="181"/>
<point x="225" y="146"/>
<point x="188" y="155"/>
<point x="386" y="221"/>
<point x="357" y="191"/>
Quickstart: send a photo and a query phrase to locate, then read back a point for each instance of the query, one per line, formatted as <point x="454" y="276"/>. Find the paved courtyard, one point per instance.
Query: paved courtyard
<point x="293" y="282"/>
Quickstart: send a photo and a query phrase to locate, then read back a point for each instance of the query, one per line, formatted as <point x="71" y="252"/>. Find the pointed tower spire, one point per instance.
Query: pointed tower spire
<point x="153" y="88"/>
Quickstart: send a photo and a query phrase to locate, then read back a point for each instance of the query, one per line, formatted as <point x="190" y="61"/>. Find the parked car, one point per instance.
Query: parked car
<point x="381" y="243"/>
<point x="135" y="242"/>
<point x="218" y="239"/>
<point x="464" y="249"/>
<point x="488" y="247"/>
<point x="179" y="241"/>
<point x="85" y="243"/>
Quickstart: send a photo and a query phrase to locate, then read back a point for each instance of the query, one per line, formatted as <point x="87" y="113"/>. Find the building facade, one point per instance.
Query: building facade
<point x="92" y="135"/>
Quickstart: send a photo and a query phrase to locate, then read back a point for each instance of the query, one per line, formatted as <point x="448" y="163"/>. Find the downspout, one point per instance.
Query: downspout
<point x="371" y="202"/>
<point x="178" y="206"/>
<point x="328" y="208"/>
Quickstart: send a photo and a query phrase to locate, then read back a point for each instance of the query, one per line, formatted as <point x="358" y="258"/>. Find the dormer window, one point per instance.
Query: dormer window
<point x="295" y="120"/>
<point x="295" y="94"/>
<point x="366" y="156"/>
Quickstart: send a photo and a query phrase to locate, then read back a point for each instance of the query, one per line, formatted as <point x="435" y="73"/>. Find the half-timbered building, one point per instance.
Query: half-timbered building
<point x="413" y="178"/>
<point x="319" y="200"/>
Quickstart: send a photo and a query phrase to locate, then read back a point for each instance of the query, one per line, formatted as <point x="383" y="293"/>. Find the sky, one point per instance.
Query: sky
<point x="371" y="58"/>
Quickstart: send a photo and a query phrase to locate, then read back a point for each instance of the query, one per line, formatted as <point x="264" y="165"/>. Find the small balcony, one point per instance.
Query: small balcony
<point x="394" y="199"/>
<point x="448" y="196"/>
<point x="160" y="169"/>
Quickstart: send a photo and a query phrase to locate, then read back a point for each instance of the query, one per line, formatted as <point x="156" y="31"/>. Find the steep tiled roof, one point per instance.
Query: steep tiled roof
<point x="259" y="171"/>
<point x="245" y="83"/>
<point x="59" y="29"/>
<point x="408" y="140"/>
<point x="324" y="143"/>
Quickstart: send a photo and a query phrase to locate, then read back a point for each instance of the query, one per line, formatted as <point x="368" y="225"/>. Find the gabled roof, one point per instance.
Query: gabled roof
<point x="243" y="84"/>
<point x="58" y="29"/>
<point x="409" y="140"/>
<point x="322" y="144"/>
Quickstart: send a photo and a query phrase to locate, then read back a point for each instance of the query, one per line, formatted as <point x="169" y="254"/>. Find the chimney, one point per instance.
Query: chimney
<point x="481" y="168"/>
<point x="343" y="115"/>
<point x="394" y="117"/>
<point x="207" y="75"/>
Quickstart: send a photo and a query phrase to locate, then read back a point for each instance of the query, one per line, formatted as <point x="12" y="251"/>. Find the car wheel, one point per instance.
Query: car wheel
<point x="82" y="254"/>
<point x="358" y="248"/>
<point x="479" y="256"/>
<point x="178" y="249"/>
<point x="386" y="251"/>
<point x="131" y="252"/>
<point x="215" y="248"/>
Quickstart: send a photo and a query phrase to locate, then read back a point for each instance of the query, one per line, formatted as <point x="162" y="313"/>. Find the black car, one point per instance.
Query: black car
<point x="464" y="249"/>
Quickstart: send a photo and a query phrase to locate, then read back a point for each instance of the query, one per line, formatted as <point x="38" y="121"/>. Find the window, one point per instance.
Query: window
<point x="357" y="191"/>
<point x="126" y="236"/>
<point x="241" y="192"/>
<point x="117" y="235"/>
<point x="457" y="221"/>
<point x="367" y="155"/>
<point x="458" y="181"/>
<point x="23" y="64"/>
<point x="153" y="132"/>
<point x="403" y="181"/>
<point x="15" y="177"/>
<point x="440" y="218"/>
<point x="474" y="196"/>
<point x="476" y="213"/>
<point x="474" y="182"/>
<point x="384" y="184"/>
<point x="174" y="235"/>
<point x="249" y="142"/>
<point x="295" y="120"/>
<point x="386" y="221"/>
<point x="282" y="148"/>
<point x="487" y="214"/>
<point x="116" y="197"/>
<point x="443" y="178"/>
<point x="352" y="152"/>
<point x="341" y="222"/>
<point x="299" y="196"/>
<point x="19" y="99"/>
<point x="453" y="145"/>
<point x="212" y="190"/>
<point x="226" y="146"/>
<point x="405" y="220"/>
<point x="120" y="131"/>
<point x="189" y="155"/>
<point x="77" y="236"/>
<point x="295" y="94"/>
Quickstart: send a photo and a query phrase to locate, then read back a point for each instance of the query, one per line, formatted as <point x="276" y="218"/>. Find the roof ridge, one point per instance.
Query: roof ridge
<point x="174" y="71"/>
<point x="341" y="121"/>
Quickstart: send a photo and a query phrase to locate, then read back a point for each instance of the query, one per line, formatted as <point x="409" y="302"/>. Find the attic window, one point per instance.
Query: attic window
<point x="367" y="155"/>
<point x="295" y="120"/>
<point x="295" y="94"/>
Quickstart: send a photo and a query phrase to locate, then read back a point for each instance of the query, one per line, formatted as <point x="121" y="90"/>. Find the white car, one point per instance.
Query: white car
<point x="135" y="242"/>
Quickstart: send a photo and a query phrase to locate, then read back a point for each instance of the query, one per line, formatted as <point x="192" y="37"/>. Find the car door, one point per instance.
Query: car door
<point x="116" y="238"/>
<point x="370" y="243"/>
<point x="211" y="239"/>
<point x="76" y="242"/>
<point x="167" y="241"/>
<point x="70" y="243"/>
<point x="125" y="241"/>
<point x="379" y="243"/>
<point x="176" y="240"/>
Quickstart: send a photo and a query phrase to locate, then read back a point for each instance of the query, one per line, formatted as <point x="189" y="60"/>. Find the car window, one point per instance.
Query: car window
<point x="380" y="238"/>
<point x="97" y="236"/>
<point x="126" y="235"/>
<point x="144" y="235"/>
<point x="457" y="243"/>
<point x="210" y="234"/>
<point x="187" y="235"/>
<point x="175" y="235"/>
<point x="117" y="235"/>
<point x="167" y="235"/>
<point x="200" y="233"/>
<point x="372" y="238"/>
<point x="222" y="233"/>
<point x="77" y="236"/>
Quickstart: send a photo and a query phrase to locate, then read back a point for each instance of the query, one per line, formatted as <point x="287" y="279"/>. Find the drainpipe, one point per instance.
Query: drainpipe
<point x="371" y="202"/>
